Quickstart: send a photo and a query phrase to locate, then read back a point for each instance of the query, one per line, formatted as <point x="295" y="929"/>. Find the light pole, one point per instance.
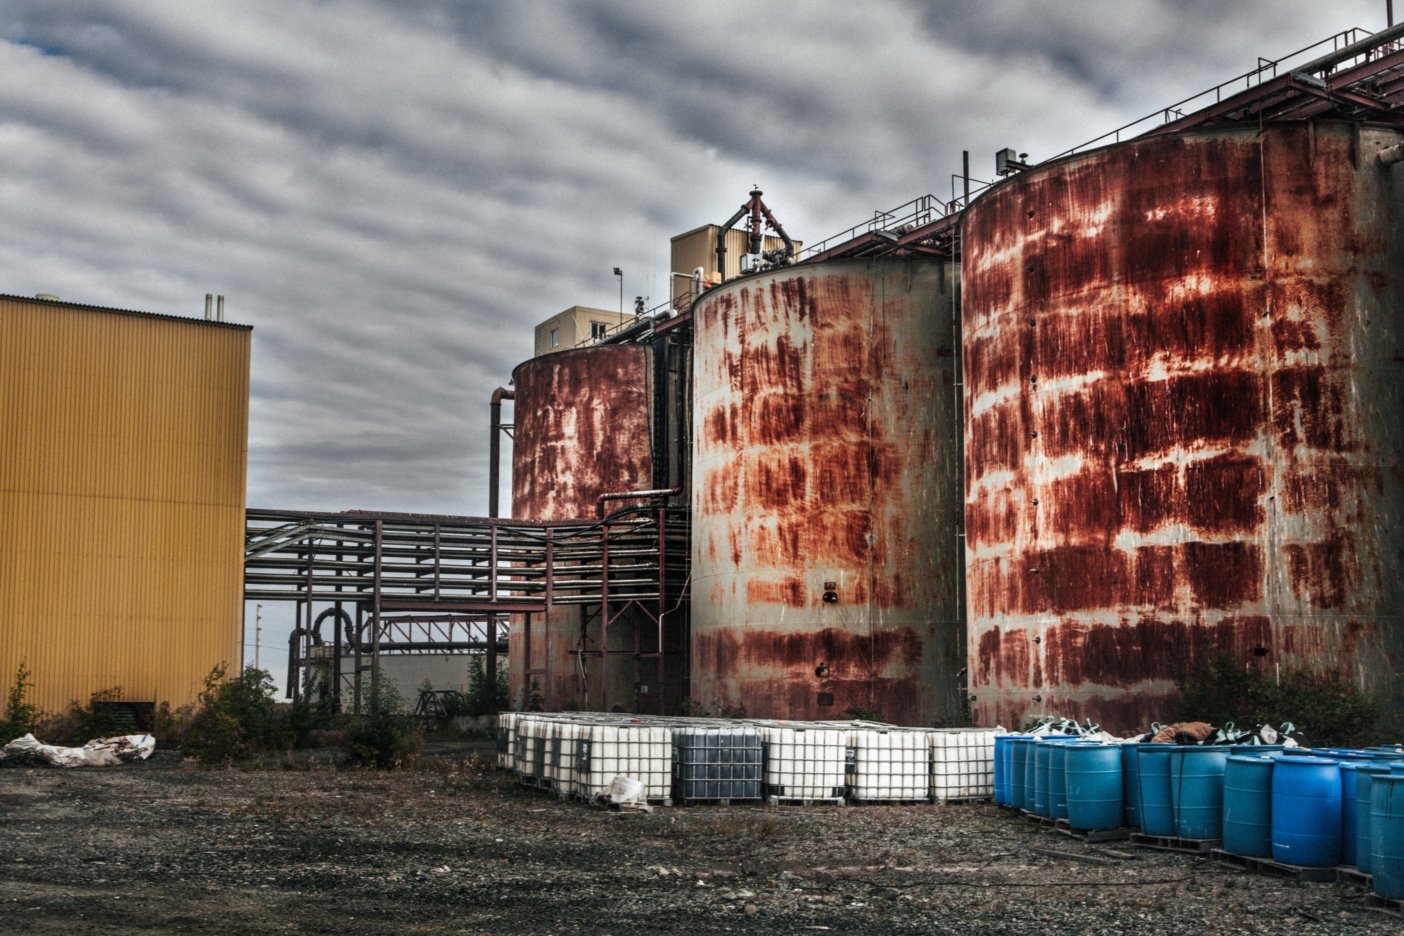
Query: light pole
<point x="620" y="273"/>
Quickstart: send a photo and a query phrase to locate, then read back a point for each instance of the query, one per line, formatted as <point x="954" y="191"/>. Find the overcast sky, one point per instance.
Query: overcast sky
<point x="394" y="192"/>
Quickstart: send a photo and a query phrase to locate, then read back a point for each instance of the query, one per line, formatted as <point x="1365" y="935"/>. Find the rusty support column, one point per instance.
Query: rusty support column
<point x="491" y="662"/>
<point x="375" y="612"/>
<point x="550" y="597"/>
<point x="604" y="617"/>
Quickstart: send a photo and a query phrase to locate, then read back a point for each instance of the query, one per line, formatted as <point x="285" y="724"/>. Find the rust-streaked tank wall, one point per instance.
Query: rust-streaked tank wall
<point x="827" y="450"/>
<point x="123" y="445"/>
<point x="1183" y="419"/>
<point x="581" y="428"/>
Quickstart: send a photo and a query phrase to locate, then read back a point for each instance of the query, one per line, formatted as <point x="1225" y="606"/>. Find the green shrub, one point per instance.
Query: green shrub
<point x="384" y="735"/>
<point x="236" y="717"/>
<point x="312" y="712"/>
<point x="485" y="696"/>
<point x="1329" y="711"/>
<point x="21" y="717"/>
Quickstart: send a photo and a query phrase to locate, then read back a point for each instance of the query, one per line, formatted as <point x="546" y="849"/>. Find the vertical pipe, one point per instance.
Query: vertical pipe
<point x="495" y="446"/>
<point x="604" y="617"/>
<point x="965" y="174"/>
<point x="492" y="657"/>
<point x="550" y="595"/>
<point x="661" y="411"/>
<point x="209" y="305"/>
<point x="375" y="614"/>
<point x="219" y="308"/>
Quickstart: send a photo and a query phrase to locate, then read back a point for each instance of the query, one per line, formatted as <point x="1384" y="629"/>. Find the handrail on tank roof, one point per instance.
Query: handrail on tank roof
<point x="1350" y="44"/>
<point x="919" y="211"/>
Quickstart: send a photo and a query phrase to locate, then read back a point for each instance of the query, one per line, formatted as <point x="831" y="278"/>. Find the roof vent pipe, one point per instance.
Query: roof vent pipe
<point x="219" y="309"/>
<point x="495" y="429"/>
<point x="209" y="306"/>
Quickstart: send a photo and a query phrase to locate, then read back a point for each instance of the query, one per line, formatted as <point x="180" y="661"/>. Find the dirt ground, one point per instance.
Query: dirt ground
<point x="456" y="847"/>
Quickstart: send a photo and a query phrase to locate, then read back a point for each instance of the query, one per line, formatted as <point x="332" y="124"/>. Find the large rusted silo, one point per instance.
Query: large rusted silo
<point x="1183" y="418"/>
<point x="581" y="429"/>
<point x="826" y="493"/>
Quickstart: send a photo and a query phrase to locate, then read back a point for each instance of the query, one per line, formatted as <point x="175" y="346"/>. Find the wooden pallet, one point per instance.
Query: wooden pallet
<point x="1091" y="835"/>
<point x="1036" y="819"/>
<point x="888" y="802"/>
<point x="1275" y="868"/>
<point x="962" y="800"/>
<point x="1350" y="874"/>
<point x="1385" y="904"/>
<point x="804" y="801"/>
<point x="1175" y="843"/>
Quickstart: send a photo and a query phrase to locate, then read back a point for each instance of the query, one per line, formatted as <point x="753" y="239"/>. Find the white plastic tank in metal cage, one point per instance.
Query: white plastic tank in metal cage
<point x="962" y="763"/>
<point x="889" y="765"/>
<point x="561" y="772"/>
<point x="639" y="751"/>
<point x="507" y="740"/>
<point x="534" y="751"/>
<point x="803" y="762"/>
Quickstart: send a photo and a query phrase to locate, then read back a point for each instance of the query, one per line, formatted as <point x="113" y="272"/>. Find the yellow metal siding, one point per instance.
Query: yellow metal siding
<point x="123" y="447"/>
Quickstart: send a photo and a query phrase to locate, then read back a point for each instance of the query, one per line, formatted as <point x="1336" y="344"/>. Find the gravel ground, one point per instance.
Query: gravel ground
<point x="455" y="847"/>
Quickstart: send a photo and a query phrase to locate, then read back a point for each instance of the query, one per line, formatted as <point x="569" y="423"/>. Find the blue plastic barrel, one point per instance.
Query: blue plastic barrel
<point x="1131" y="785"/>
<point x="1006" y="761"/>
<point x="999" y="773"/>
<point x="1387" y="838"/>
<point x="1348" y="811"/>
<point x="1030" y="773"/>
<point x="1043" y="750"/>
<point x="1248" y="805"/>
<point x="1306" y="811"/>
<point x="1197" y="791"/>
<point x="1157" y="808"/>
<point x="1365" y="775"/>
<point x="1093" y="777"/>
<point x="1057" y="776"/>
<point x="1018" y="777"/>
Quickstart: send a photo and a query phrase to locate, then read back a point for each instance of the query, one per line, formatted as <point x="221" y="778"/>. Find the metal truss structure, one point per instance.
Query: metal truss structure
<point x="418" y="583"/>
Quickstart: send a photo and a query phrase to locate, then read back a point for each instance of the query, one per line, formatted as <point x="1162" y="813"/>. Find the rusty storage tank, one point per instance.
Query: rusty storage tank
<point x="581" y="424"/>
<point x="1183" y="417"/>
<point x="826" y="493"/>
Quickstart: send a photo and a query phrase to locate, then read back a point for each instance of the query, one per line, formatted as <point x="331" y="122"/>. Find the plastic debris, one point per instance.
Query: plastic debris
<point x="99" y="752"/>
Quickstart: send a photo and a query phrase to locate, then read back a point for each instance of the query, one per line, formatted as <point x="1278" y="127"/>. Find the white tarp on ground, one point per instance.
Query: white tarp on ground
<point x="100" y="752"/>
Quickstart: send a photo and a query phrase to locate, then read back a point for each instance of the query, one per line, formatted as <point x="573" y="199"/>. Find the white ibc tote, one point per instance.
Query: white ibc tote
<point x="889" y="765"/>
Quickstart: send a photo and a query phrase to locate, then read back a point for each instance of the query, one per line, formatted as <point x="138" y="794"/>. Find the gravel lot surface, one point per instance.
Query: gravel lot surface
<point x="455" y="847"/>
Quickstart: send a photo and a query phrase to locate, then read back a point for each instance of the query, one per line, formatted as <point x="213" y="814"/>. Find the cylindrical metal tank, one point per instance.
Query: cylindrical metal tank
<point x="826" y="493"/>
<point x="581" y="425"/>
<point x="1183" y="418"/>
<point x="581" y="428"/>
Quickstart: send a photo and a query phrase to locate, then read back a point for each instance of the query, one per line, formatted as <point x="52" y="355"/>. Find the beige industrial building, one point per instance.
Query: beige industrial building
<point x="565" y="330"/>
<point x="123" y="450"/>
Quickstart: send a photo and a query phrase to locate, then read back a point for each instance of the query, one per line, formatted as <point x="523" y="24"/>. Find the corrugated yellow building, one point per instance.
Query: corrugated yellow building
<point x="123" y="448"/>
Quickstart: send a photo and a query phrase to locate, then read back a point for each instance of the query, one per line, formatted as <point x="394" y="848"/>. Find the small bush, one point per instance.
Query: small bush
<point x="485" y="696"/>
<point x="236" y="718"/>
<point x="385" y="735"/>
<point x="311" y="714"/>
<point x="21" y="717"/>
<point x="1327" y="710"/>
